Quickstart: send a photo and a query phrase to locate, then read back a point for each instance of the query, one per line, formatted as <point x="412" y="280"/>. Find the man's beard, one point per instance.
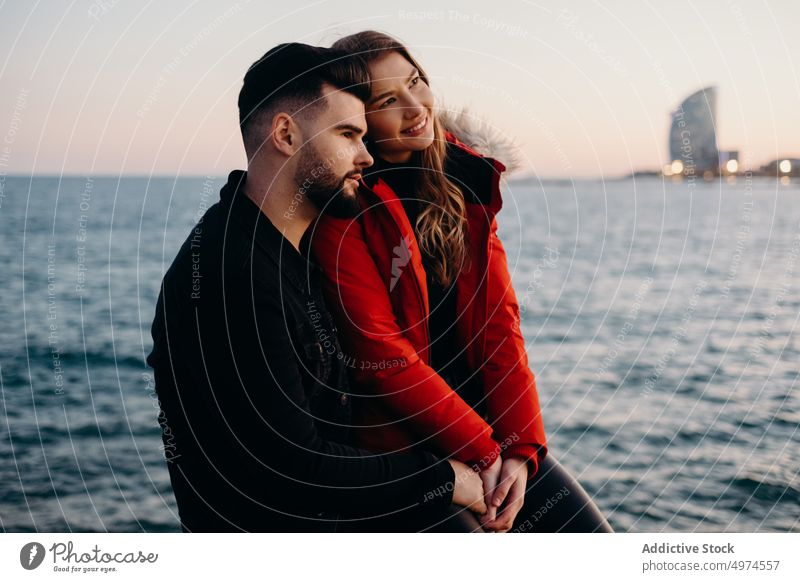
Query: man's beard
<point x="325" y="190"/>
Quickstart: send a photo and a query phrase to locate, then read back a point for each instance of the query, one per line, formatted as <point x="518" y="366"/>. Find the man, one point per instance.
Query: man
<point x="249" y="373"/>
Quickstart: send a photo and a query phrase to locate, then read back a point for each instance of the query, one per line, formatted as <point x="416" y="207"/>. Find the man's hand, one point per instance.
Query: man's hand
<point x="468" y="488"/>
<point x="510" y="494"/>
<point x="490" y="476"/>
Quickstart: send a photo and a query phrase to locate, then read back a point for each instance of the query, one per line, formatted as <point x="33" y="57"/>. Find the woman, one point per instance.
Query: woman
<point x="420" y="288"/>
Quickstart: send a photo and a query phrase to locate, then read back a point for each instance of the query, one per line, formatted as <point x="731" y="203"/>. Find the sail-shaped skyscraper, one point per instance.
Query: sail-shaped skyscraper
<point x="693" y="136"/>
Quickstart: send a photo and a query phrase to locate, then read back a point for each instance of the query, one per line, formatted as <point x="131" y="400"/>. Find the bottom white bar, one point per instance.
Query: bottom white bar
<point x="400" y="557"/>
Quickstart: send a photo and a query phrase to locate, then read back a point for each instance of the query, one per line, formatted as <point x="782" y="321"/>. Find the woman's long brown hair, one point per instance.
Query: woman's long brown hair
<point x="441" y="226"/>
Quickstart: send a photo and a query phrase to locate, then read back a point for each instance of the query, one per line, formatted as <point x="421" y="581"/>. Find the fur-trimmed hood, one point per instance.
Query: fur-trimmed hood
<point x="481" y="136"/>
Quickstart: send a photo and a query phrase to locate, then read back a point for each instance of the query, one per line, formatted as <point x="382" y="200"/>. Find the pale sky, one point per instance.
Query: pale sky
<point x="127" y="87"/>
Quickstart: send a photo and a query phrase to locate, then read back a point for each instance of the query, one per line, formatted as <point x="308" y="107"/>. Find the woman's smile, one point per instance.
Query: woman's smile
<point x="418" y="128"/>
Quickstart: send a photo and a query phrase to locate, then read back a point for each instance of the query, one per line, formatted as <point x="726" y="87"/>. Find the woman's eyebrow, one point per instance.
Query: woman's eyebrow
<point x="387" y="93"/>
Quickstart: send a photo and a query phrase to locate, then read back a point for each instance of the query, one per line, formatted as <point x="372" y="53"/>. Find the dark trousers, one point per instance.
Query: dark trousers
<point x="554" y="502"/>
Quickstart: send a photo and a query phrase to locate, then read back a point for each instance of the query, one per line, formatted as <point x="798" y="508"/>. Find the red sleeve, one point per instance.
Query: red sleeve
<point x="359" y="300"/>
<point x="508" y="381"/>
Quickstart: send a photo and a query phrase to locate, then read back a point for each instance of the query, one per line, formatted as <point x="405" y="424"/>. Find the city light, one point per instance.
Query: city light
<point x="785" y="166"/>
<point x="677" y="167"/>
<point x="732" y="166"/>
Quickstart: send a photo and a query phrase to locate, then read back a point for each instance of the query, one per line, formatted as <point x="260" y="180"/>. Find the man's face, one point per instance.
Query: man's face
<point x="333" y="156"/>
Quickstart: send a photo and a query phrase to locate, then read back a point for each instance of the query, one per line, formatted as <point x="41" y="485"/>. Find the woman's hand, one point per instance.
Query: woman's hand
<point x="468" y="488"/>
<point x="510" y="494"/>
<point x="490" y="476"/>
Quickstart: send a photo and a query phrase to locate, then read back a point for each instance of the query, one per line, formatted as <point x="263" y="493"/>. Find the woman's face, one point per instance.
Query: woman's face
<point x="400" y="110"/>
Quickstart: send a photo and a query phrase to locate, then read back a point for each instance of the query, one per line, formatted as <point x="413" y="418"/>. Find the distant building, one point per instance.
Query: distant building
<point x="729" y="161"/>
<point x="788" y="167"/>
<point x="693" y="137"/>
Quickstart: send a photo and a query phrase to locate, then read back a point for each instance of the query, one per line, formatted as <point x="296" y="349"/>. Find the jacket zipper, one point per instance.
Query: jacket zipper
<point x="486" y="292"/>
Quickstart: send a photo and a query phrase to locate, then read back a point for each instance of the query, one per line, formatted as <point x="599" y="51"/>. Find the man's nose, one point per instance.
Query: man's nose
<point x="363" y="159"/>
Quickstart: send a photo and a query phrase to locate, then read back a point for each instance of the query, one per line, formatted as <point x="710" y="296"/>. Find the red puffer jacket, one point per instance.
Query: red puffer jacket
<point x="376" y="288"/>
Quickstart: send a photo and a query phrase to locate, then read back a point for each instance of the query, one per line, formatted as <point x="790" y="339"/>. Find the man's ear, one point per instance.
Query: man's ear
<point x="285" y="134"/>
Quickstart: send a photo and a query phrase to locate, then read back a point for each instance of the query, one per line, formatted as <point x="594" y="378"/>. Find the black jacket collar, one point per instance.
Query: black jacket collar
<point x="259" y="231"/>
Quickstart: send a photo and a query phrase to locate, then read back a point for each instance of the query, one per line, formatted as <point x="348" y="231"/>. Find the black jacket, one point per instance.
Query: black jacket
<point x="253" y="391"/>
